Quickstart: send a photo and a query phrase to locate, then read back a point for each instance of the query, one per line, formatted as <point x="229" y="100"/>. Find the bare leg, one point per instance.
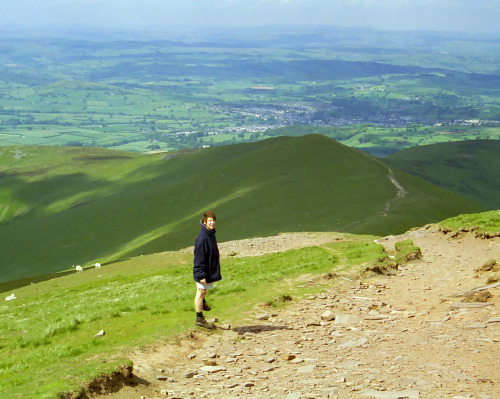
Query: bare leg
<point x="198" y="300"/>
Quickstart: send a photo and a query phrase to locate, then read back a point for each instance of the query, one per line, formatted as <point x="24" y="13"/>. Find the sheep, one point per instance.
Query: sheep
<point x="11" y="297"/>
<point x="79" y="269"/>
<point x="97" y="265"/>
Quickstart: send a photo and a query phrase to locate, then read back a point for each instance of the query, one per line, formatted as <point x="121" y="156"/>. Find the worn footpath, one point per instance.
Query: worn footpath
<point x="421" y="333"/>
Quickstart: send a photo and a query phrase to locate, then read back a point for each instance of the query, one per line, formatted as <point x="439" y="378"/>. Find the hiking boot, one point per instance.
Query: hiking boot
<point x="201" y="322"/>
<point x="206" y="307"/>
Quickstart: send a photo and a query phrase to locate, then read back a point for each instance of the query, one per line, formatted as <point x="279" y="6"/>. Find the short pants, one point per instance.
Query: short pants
<point x="206" y="286"/>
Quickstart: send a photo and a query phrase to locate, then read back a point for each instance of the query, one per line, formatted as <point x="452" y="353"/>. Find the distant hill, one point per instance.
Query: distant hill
<point x="470" y="168"/>
<point x="63" y="206"/>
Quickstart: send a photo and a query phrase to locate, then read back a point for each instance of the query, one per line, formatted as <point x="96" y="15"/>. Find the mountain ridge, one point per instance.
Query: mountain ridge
<point x="131" y="205"/>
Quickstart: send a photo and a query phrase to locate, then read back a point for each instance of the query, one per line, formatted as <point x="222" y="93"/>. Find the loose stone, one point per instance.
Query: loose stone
<point x="328" y="315"/>
<point x="346" y="319"/>
<point x="306" y="369"/>
<point x="406" y="394"/>
<point x="212" y="369"/>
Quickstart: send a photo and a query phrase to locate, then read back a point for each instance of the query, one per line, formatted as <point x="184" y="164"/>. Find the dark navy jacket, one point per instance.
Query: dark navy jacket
<point x="206" y="256"/>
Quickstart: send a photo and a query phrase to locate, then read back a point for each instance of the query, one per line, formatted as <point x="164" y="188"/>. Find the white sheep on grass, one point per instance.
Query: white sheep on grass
<point x="97" y="265"/>
<point x="79" y="269"/>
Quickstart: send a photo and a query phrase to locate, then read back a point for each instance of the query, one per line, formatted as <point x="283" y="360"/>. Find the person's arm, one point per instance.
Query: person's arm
<point x="199" y="262"/>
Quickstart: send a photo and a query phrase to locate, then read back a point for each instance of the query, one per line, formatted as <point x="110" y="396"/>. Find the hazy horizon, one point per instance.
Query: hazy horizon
<point x="464" y="16"/>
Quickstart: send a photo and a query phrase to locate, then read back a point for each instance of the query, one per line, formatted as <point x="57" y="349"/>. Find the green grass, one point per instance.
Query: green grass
<point x="486" y="222"/>
<point x="470" y="168"/>
<point x="61" y="207"/>
<point x="46" y="335"/>
<point x="95" y="93"/>
<point x="358" y="253"/>
<point x="406" y="251"/>
<point x="369" y="254"/>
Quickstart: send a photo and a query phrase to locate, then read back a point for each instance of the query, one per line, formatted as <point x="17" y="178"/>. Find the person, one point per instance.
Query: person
<point x="206" y="266"/>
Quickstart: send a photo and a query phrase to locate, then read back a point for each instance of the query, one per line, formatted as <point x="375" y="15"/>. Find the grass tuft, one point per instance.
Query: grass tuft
<point x="406" y="252"/>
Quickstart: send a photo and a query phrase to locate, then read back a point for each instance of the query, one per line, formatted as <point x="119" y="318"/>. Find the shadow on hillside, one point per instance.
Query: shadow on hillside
<point x="258" y="328"/>
<point x="15" y="284"/>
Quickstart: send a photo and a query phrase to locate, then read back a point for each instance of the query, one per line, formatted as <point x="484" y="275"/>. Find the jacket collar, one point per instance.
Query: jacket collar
<point x="206" y="228"/>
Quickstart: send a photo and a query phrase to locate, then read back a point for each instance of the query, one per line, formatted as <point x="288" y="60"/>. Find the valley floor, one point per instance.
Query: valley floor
<point x="404" y="336"/>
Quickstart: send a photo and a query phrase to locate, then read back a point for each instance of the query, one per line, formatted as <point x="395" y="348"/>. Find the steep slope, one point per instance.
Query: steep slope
<point x="470" y="168"/>
<point x="129" y="205"/>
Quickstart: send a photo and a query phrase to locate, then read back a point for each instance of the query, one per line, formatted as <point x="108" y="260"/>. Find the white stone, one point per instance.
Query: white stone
<point x="212" y="369"/>
<point x="476" y="325"/>
<point x="328" y="315"/>
<point x="405" y="394"/>
<point x="346" y="319"/>
<point x="306" y="369"/>
<point x="357" y="343"/>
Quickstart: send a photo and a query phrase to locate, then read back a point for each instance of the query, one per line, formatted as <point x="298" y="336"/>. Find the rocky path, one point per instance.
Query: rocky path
<point x="405" y="336"/>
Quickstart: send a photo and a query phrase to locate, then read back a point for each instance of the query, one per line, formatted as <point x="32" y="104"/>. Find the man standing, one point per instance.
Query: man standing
<point x="206" y="266"/>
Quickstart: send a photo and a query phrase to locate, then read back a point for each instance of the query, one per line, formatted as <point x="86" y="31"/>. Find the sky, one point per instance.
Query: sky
<point x="472" y="16"/>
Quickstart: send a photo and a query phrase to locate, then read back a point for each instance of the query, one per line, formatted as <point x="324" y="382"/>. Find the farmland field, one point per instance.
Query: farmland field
<point x="163" y="93"/>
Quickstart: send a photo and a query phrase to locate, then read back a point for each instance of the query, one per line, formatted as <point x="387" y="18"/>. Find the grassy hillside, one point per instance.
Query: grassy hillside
<point x="47" y="344"/>
<point x="485" y="223"/>
<point x="471" y="168"/>
<point x="68" y="206"/>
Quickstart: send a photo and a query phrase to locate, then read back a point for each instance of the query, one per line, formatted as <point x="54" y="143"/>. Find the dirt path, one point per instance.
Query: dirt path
<point x="401" y="192"/>
<point x="406" y="336"/>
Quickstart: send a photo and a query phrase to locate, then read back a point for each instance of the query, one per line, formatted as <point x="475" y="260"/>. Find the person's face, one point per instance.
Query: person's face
<point x="210" y="223"/>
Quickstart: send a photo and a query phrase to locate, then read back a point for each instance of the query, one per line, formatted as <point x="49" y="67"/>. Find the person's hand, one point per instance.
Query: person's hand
<point x="203" y="281"/>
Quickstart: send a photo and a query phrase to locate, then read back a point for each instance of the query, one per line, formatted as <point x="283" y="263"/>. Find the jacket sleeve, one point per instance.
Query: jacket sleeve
<point x="199" y="261"/>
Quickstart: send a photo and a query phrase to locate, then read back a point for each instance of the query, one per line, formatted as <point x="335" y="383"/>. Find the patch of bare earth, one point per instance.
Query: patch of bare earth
<point x="417" y="334"/>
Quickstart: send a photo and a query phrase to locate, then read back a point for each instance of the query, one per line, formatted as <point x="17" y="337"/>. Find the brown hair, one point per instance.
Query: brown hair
<point x="208" y="214"/>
